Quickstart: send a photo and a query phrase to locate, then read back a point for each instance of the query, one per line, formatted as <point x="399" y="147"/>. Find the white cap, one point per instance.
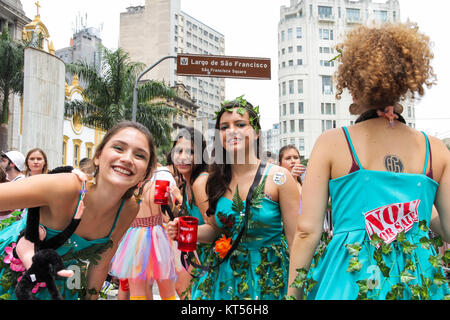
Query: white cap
<point x="17" y="158"/>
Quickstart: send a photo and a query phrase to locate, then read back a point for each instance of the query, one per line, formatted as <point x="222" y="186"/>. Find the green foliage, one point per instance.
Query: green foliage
<point x="108" y="96"/>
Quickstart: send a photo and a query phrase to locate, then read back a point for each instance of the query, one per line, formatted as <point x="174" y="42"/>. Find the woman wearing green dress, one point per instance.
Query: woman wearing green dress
<point x="383" y="178"/>
<point x="250" y="255"/>
<point x="123" y="159"/>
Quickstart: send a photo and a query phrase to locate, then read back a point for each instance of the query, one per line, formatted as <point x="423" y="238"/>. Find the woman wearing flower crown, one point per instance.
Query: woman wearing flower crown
<point x="250" y="259"/>
<point x="101" y="213"/>
<point x="383" y="188"/>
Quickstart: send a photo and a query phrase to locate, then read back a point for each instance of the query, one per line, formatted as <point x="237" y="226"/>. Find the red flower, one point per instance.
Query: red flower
<point x="223" y="245"/>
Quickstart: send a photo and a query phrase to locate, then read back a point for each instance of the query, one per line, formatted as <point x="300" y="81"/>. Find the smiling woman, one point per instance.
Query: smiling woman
<point x="250" y="257"/>
<point x="104" y="211"/>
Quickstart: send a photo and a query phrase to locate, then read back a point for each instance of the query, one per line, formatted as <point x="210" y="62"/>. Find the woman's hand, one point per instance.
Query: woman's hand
<point x="298" y="170"/>
<point x="175" y="194"/>
<point x="172" y="229"/>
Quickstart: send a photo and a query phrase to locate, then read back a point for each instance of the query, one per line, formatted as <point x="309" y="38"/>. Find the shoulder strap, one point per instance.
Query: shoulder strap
<point x="428" y="158"/>
<point x="117" y="218"/>
<point x="356" y="164"/>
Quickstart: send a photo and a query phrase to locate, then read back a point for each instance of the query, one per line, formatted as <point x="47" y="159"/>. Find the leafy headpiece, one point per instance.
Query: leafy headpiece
<point x="242" y="105"/>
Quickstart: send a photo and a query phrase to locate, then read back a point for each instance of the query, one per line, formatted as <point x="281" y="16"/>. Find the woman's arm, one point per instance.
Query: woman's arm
<point x="38" y="191"/>
<point x="289" y="200"/>
<point x="442" y="199"/>
<point x="314" y="205"/>
<point x="200" y="196"/>
<point x="97" y="274"/>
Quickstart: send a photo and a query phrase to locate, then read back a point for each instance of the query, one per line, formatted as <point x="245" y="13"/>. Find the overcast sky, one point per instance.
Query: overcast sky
<point x="250" y="29"/>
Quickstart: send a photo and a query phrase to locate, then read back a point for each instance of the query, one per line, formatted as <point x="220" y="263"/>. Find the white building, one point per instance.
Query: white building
<point x="271" y="139"/>
<point x="159" y="29"/>
<point x="308" y="32"/>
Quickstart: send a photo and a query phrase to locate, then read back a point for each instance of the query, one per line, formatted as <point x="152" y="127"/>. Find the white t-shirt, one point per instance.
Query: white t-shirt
<point x="162" y="173"/>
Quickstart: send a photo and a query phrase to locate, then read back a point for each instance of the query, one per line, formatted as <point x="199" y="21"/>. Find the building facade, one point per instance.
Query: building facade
<point x="308" y="32"/>
<point x="271" y="139"/>
<point x="159" y="29"/>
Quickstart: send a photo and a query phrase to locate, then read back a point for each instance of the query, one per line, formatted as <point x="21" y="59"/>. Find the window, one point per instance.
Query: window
<point x="299" y="48"/>
<point x="76" y="152"/>
<point x="291" y="63"/>
<point x="291" y="108"/>
<point x="299" y="62"/>
<point x="292" y="125"/>
<point x="282" y="36"/>
<point x="89" y="150"/>
<point x="353" y="14"/>
<point x="325" y="12"/>
<point x="301" y="125"/>
<point x="409" y="112"/>
<point x="283" y="88"/>
<point x="290" y="34"/>
<point x="326" y="63"/>
<point x="301" y="144"/>
<point x="283" y="51"/>
<point x="284" y="109"/>
<point x="300" y="108"/>
<point x="64" y="153"/>
<point x="290" y="49"/>
<point x="291" y="86"/>
<point x="328" y="124"/>
<point x="300" y="86"/>
<point x="299" y="32"/>
<point x="326" y="85"/>
<point x="328" y="108"/>
<point x="380" y="15"/>
<point x="326" y="34"/>
<point x="284" y="127"/>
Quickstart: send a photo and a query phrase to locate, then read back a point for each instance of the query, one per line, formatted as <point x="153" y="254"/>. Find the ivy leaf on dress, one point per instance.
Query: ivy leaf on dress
<point x="408" y="247"/>
<point x="354" y="265"/>
<point x="425" y="243"/>
<point x="353" y="249"/>
<point x="423" y="225"/>
<point x="435" y="261"/>
<point x="439" y="279"/>
<point x="406" y="276"/>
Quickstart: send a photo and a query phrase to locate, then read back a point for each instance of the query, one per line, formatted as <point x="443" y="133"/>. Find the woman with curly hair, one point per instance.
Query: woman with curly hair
<point x="383" y="188"/>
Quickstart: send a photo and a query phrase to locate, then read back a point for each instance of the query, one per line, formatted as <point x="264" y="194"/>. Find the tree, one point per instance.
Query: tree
<point x="108" y="96"/>
<point x="11" y="79"/>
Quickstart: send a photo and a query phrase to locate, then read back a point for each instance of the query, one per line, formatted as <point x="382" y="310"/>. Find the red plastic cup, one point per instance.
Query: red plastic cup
<point x="161" y="192"/>
<point x="187" y="233"/>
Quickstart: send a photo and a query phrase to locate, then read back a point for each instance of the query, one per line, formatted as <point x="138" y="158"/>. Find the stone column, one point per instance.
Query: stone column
<point x="43" y="104"/>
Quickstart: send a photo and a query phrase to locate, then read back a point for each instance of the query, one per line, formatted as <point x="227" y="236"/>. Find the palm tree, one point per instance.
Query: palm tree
<point x="108" y="96"/>
<point x="11" y="79"/>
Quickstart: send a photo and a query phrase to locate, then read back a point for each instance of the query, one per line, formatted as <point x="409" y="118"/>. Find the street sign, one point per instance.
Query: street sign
<point x="223" y="66"/>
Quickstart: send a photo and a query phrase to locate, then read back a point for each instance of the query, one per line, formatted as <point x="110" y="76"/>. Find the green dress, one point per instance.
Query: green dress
<point x="76" y="252"/>
<point x="258" y="268"/>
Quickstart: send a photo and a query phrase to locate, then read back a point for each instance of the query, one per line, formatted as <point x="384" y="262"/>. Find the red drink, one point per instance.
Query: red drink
<point x="187" y="233"/>
<point x="161" y="192"/>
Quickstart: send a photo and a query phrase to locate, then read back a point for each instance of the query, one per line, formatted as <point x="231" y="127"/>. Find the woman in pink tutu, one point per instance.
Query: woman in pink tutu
<point x="145" y="253"/>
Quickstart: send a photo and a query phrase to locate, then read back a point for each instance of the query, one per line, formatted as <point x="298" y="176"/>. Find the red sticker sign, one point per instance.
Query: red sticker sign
<point x="388" y="221"/>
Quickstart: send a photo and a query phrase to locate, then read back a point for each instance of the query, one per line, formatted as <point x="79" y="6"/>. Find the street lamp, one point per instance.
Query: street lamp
<point x="135" y="89"/>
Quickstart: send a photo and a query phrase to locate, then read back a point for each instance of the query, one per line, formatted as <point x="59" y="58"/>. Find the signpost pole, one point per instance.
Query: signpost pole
<point x="135" y="89"/>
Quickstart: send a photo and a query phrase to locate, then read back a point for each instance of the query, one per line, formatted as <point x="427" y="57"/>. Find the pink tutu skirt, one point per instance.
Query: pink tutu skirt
<point x="145" y="252"/>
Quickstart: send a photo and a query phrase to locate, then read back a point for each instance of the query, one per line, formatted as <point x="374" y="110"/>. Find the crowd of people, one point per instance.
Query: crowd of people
<point x="261" y="216"/>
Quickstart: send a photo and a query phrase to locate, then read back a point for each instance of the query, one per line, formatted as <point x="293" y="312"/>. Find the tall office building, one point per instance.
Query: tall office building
<point x="159" y="29"/>
<point x="308" y="32"/>
<point x="84" y="46"/>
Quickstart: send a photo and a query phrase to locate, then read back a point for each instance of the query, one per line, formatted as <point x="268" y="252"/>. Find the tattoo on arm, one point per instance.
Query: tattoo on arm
<point x="393" y="163"/>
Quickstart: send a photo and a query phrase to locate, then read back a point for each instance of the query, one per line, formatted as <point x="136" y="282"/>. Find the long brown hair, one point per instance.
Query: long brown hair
<point x="27" y="168"/>
<point x="220" y="169"/>
<point x="151" y="145"/>
<point x="281" y="153"/>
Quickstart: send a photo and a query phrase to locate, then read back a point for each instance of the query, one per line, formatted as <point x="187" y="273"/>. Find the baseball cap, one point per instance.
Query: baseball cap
<point x="17" y="158"/>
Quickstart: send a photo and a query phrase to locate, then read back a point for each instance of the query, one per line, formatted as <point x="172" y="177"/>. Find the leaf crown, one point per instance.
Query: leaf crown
<point x="242" y="106"/>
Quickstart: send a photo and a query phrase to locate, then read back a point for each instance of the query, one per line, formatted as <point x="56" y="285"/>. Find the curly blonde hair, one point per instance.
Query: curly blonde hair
<point x="381" y="65"/>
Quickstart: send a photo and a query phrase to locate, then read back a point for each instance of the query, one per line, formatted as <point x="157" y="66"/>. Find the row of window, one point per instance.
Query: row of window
<point x="325" y="108"/>
<point x="300" y="145"/>
<point x="296" y="87"/>
<point x="290" y="49"/>
<point x="76" y="151"/>
<point x="193" y="27"/>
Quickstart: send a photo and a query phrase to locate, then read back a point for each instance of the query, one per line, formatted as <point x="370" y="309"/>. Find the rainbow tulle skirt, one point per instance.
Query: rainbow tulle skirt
<point x="145" y="253"/>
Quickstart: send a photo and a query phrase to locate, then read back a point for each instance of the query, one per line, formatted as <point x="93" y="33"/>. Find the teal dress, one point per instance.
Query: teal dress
<point x="258" y="268"/>
<point x="76" y="253"/>
<point x="393" y="208"/>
